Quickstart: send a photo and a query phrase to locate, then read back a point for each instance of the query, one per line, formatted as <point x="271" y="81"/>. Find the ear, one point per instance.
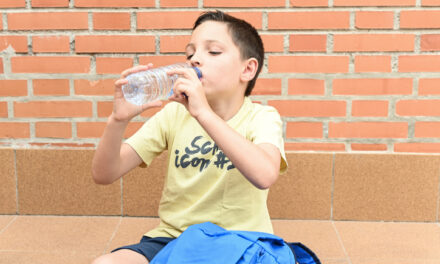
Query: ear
<point x="250" y="67"/>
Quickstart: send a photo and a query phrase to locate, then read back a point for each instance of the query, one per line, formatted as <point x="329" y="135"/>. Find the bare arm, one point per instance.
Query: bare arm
<point x="113" y="159"/>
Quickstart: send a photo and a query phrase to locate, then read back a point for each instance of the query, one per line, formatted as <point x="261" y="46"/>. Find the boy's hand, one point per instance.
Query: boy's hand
<point x="123" y="110"/>
<point x="188" y="90"/>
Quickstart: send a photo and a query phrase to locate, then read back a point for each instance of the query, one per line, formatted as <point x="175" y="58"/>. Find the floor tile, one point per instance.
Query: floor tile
<point x="6" y="220"/>
<point x="319" y="236"/>
<point x="20" y="257"/>
<point x="131" y="230"/>
<point x="58" y="234"/>
<point x="390" y="243"/>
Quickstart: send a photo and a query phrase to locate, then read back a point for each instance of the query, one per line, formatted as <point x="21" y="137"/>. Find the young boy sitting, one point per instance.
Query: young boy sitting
<point x="224" y="151"/>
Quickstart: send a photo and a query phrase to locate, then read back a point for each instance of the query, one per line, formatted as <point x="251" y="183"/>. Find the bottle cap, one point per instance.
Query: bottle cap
<point x="198" y="71"/>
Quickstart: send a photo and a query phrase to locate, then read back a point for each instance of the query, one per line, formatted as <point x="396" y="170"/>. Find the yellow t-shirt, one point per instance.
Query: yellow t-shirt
<point x="201" y="183"/>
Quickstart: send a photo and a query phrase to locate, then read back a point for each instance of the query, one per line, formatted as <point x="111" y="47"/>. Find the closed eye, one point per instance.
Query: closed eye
<point x="215" y="52"/>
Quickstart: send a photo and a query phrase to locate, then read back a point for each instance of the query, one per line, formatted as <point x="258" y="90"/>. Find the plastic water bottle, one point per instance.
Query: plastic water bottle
<point x="153" y="84"/>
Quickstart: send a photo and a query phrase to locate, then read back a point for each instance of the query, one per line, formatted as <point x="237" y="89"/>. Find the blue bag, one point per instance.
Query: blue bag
<point x="209" y="243"/>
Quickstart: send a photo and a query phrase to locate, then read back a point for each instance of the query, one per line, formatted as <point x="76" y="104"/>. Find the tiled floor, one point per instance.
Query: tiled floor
<point x="76" y="239"/>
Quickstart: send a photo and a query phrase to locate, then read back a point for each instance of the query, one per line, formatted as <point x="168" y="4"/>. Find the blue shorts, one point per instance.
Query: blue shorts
<point x="148" y="246"/>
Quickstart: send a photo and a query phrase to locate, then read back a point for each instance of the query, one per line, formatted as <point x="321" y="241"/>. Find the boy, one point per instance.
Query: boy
<point x="224" y="151"/>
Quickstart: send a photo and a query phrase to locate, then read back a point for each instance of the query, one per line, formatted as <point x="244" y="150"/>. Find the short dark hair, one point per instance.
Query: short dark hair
<point x="244" y="35"/>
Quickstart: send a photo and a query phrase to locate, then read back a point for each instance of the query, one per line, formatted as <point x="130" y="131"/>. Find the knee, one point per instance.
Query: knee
<point x="104" y="259"/>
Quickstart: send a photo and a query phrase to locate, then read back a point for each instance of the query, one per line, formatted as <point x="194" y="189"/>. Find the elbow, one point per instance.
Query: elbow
<point x="268" y="180"/>
<point x="100" y="179"/>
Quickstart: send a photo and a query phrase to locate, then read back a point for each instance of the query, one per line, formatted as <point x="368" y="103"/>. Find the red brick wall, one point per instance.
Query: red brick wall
<point x="346" y="75"/>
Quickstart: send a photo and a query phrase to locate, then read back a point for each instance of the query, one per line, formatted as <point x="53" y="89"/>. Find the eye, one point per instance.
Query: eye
<point x="189" y="56"/>
<point x="215" y="53"/>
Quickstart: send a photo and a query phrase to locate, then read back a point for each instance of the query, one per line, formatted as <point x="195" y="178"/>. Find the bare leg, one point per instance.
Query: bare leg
<point x="123" y="256"/>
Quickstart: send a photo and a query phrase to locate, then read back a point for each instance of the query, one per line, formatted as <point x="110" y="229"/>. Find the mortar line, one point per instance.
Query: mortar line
<point x="332" y="186"/>
<point x="112" y="236"/>
<point x="438" y="201"/>
<point x="17" y="204"/>
<point x="341" y="243"/>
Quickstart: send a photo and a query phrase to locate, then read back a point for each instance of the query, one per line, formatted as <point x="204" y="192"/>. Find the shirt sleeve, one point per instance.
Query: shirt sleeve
<point x="267" y="128"/>
<point x="152" y="138"/>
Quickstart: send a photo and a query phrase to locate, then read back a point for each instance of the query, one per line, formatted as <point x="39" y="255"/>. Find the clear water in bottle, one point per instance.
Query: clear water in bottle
<point x="153" y="84"/>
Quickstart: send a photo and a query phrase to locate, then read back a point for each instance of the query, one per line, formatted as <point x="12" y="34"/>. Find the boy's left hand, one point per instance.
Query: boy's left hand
<point x="188" y="90"/>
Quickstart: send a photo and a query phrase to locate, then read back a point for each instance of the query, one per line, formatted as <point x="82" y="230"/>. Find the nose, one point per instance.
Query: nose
<point x="195" y="60"/>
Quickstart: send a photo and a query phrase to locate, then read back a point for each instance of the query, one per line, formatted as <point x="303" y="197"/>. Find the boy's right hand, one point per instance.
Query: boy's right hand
<point x="123" y="111"/>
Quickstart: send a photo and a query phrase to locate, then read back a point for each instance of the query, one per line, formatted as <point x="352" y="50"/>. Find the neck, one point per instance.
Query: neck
<point x="226" y="109"/>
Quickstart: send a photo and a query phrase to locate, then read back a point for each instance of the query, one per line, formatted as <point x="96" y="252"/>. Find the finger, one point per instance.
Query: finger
<point x="185" y="72"/>
<point x="121" y="82"/>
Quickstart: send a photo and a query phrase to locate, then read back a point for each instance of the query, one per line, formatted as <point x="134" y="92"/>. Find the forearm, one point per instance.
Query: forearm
<point x="255" y="163"/>
<point x="106" y="161"/>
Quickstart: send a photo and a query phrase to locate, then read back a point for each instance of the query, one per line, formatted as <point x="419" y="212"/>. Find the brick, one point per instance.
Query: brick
<point x="402" y="86"/>
<point x="132" y="128"/>
<point x="308" y="3"/>
<point x="176" y="43"/>
<point x="161" y="60"/>
<point x="53" y="129"/>
<point x="374" y="20"/>
<point x="50" y="64"/>
<point x="111" y="21"/>
<point x="47" y="20"/>
<point x="371" y="63"/>
<point x="368" y="130"/>
<point x="314" y="146"/>
<point x="374" y="42"/>
<point x="417" y="147"/>
<point x="14" y="130"/>
<point x="179" y="3"/>
<point x="374" y="3"/>
<point x="309" y="20"/>
<point x="306" y="87"/>
<point x="304" y="130"/>
<point x="308" y="64"/>
<point x="90" y="129"/>
<point x="418" y="108"/>
<point x="50" y="3"/>
<point x="309" y="108"/>
<point x="1" y="65"/>
<point x="105" y="109"/>
<point x="273" y="43"/>
<point x="312" y="43"/>
<point x="420" y="19"/>
<point x="12" y="3"/>
<point x="108" y="65"/>
<point x="13" y="88"/>
<point x="369" y="108"/>
<point x="96" y="87"/>
<point x="427" y="129"/>
<point x="114" y="44"/>
<point x="166" y="19"/>
<point x="51" y="87"/>
<point x="3" y="109"/>
<point x="430" y="42"/>
<point x="267" y="87"/>
<point x="244" y="3"/>
<point x="18" y="43"/>
<point x="57" y="44"/>
<point x="429" y="86"/>
<point x="368" y="147"/>
<point x="115" y="3"/>
<point x="430" y="2"/>
<point x="53" y="109"/>
<point x="419" y="63"/>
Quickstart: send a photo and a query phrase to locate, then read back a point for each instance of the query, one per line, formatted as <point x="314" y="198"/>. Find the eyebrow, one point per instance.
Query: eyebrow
<point x="209" y="41"/>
